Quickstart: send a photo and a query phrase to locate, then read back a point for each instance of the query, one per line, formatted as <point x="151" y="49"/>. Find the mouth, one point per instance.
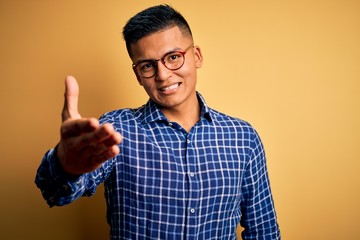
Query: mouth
<point x="170" y="88"/>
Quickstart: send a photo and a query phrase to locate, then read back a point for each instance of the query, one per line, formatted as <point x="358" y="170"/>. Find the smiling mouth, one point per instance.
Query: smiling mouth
<point x="170" y="88"/>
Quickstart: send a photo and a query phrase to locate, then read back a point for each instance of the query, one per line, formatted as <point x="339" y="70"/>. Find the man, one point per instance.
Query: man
<point x="179" y="169"/>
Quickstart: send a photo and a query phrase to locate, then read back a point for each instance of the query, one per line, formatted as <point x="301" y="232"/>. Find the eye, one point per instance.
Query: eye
<point x="146" y="66"/>
<point x="173" y="57"/>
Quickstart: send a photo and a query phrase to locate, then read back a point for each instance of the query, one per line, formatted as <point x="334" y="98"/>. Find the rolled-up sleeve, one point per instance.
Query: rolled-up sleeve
<point x="57" y="187"/>
<point x="259" y="218"/>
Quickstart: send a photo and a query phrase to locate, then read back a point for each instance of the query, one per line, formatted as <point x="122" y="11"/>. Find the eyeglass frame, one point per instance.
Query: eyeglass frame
<point x="155" y="61"/>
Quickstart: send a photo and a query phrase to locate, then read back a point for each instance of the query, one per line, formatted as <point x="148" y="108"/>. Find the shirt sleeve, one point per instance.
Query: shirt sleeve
<point x="258" y="212"/>
<point x="59" y="188"/>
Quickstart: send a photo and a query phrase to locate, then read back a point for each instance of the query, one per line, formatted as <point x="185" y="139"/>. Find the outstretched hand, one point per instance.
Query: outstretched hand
<point x="84" y="143"/>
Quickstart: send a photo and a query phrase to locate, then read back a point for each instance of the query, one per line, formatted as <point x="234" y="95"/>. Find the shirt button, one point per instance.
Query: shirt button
<point x="170" y="124"/>
<point x="192" y="210"/>
<point x="192" y="174"/>
<point x="188" y="141"/>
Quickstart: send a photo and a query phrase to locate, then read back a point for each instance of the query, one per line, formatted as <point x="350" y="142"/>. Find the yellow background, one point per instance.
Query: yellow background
<point x="291" y="68"/>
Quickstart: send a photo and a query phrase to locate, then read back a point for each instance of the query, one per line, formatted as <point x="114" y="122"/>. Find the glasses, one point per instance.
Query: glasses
<point x="173" y="60"/>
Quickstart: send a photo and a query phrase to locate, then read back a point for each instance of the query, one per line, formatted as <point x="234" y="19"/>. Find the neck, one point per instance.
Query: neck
<point x="186" y="116"/>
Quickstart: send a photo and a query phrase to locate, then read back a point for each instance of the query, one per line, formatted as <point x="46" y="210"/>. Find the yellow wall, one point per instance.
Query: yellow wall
<point x="291" y="68"/>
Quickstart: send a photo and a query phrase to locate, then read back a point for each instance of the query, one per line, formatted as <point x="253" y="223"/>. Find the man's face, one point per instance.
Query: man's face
<point x="171" y="89"/>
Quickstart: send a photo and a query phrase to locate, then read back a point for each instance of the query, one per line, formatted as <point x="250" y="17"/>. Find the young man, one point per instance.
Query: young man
<point x="179" y="169"/>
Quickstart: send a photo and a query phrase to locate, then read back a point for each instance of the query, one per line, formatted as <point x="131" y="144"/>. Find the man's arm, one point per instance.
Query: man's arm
<point x="84" y="147"/>
<point x="84" y="143"/>
<point x="259" y="218"/>
<point x="57" y="187"/>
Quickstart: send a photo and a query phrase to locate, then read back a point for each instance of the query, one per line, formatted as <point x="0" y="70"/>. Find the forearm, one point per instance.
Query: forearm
<point x="57" y="187"/>
<point x="259" y="217"/>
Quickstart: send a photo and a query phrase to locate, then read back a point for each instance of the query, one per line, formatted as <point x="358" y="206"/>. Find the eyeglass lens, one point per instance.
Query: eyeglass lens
<point x="172" y="61"/>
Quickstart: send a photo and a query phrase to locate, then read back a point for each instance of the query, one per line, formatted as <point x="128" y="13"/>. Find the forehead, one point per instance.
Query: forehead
<point x="157" y="44"/>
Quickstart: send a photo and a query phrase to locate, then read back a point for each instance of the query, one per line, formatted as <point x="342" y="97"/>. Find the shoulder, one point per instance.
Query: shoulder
<point x="241" y="127"/>
<point x="125" y="115"/>
<point x="227" y="120"/>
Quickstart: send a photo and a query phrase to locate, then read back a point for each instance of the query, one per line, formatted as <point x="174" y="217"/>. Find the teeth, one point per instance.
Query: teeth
<point x="170" y="87"/>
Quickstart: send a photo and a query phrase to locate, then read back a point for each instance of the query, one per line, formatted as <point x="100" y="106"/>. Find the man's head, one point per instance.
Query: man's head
<point x="151" y="20"/>
<point x="165" y="60"/>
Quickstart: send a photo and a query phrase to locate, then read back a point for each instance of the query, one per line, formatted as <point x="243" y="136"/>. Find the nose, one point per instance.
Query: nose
<point x="162" y="73"/>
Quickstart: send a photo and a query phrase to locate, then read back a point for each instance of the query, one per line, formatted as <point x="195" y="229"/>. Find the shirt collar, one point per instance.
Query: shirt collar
<point x="152" y="111"/>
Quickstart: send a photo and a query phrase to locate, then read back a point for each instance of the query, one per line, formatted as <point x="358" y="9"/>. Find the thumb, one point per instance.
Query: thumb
<point x="71" y="96"/>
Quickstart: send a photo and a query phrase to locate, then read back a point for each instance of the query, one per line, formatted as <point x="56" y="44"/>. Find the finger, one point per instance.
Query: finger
<point x="71" y="96"/>
<point x="89" y="136"/>
<point x="115" y="139"/>
<point x="108" y="143"/>
<point x="73" y="128"/>
<point x="102" y="138"/>
<point x="87" y="162"/>
<point x="105" y="155"/>
<point x="104" y="131"/>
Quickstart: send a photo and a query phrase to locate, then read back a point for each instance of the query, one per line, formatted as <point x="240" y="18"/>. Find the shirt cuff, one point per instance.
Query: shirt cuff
<point x="57" y="186"/>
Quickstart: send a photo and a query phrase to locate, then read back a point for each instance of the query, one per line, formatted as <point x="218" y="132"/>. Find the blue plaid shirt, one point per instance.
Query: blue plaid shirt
<point x="167" y="183"/>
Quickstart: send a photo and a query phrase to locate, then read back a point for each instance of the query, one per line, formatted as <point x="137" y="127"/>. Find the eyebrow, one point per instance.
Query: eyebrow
<point x="154" y="59"/>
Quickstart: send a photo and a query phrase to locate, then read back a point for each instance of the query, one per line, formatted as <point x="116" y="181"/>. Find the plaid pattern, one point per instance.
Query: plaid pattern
<point x="170" y="184"/>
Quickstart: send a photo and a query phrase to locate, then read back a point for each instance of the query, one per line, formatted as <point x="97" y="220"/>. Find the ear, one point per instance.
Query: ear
<point x="137" y="77"/>
<point x="198" y="57"/>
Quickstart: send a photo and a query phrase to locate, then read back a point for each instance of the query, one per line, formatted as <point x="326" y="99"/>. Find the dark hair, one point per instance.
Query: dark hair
<point x="152" y="20"/>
